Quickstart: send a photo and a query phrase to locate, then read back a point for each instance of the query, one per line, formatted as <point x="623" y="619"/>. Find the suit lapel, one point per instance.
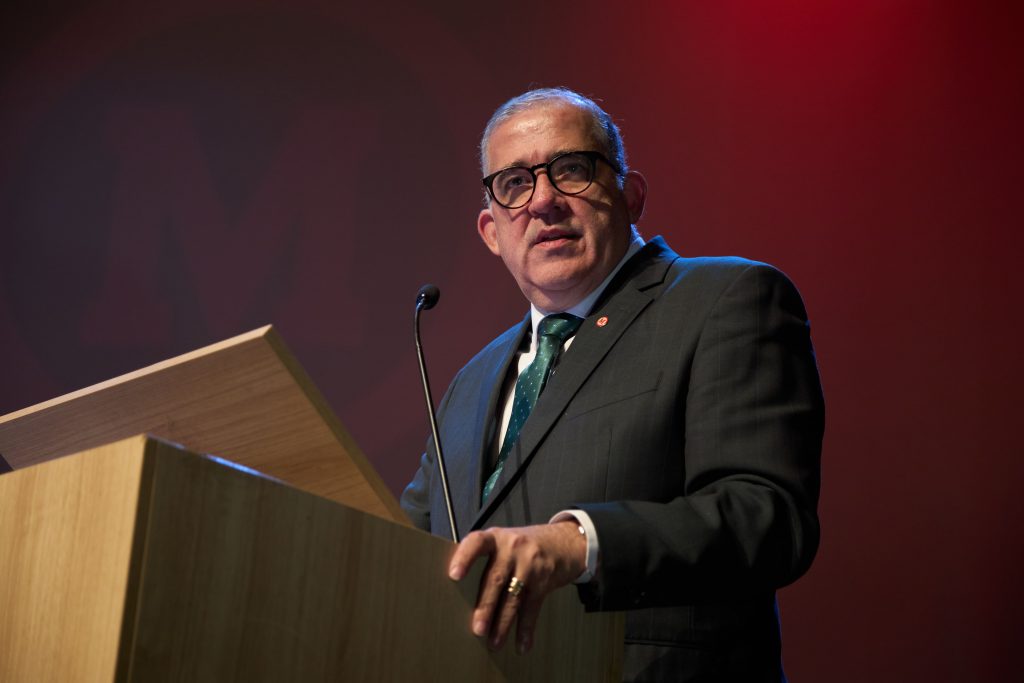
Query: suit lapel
<point x="626" y="297"/>
<point x="468" y="471"/>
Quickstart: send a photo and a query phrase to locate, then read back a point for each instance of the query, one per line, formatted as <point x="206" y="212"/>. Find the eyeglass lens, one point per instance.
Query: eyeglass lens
<point x="569" y="173"/>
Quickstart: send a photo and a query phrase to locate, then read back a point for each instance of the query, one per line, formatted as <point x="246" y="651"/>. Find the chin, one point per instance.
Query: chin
<point x="560" y="295"/>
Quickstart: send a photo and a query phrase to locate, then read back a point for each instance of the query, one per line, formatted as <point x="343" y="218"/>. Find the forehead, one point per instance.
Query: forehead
<point x="535" y="135"/>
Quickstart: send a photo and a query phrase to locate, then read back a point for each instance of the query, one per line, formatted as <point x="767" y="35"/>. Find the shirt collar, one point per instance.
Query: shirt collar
<point x="582" y="309"/>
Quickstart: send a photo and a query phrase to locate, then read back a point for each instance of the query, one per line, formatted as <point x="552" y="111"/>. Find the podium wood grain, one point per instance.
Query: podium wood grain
<point x="66" y="532"/>
<point x="246" y="399"/>
<point x="139" y="561"/>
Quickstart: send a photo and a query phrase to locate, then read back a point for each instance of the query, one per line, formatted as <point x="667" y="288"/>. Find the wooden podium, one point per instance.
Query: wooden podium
<point x="282" y="557"/>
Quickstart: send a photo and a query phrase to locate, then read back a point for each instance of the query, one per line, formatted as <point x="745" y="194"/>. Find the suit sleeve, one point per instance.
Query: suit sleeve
<point x="745" y="521"/>
<point x="415" y="500"/>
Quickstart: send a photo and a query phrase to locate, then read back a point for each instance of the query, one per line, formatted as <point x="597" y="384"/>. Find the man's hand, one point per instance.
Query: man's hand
<point x="543" y="557"/>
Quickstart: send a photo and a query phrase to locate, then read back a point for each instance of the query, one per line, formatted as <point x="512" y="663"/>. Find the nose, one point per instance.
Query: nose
<point x="544" y="195"/>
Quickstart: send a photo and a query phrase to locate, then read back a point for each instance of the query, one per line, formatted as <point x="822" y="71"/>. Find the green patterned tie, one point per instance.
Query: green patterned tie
<point x="552" y="332"/>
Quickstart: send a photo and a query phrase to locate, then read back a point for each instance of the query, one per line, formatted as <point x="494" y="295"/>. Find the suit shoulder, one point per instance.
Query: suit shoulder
<point x="721" y="266"/>
<point x="708" y="279"/>
<point x="715" y="272"/>
<point x="708" y="268"/>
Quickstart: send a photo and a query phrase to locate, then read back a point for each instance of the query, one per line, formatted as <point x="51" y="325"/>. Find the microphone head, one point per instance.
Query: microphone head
<point x="428" y="296"/>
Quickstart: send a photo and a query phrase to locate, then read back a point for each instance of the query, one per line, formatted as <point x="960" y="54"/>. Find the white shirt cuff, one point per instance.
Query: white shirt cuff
<point x="590" y="532"/>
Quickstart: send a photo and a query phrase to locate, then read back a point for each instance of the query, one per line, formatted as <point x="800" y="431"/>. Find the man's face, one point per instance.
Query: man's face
<point x="558" y="247"/>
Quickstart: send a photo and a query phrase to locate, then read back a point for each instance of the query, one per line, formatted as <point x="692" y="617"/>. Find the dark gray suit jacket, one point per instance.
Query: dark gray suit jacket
<point x="689" y="427"/>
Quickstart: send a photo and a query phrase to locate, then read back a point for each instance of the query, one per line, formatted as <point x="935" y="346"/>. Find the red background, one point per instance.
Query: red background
<point x="171" y="176"/>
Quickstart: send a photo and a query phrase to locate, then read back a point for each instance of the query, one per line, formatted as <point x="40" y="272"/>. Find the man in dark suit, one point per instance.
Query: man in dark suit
<point x="670" y="464"/>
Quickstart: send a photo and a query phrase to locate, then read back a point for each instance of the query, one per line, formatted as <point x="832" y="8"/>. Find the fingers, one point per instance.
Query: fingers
<point x="495" y="579"/>
<point x="541" y="558"/>
<point x="527" y="623"/>
<point x="523" y="609"/>
<point x="492" y="601"/>
<point x="476" y="544"/>
<point x="514" y="596"/>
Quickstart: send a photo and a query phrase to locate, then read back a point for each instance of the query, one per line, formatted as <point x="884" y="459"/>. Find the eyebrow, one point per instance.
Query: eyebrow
<point x="521" y="163"/>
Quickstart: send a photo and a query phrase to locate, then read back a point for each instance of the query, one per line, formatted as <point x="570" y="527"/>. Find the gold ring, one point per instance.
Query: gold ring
<point x="515" y="587"/>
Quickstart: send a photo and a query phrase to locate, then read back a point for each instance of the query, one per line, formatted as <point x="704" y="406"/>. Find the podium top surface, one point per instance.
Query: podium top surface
<point x="245" y="399"/>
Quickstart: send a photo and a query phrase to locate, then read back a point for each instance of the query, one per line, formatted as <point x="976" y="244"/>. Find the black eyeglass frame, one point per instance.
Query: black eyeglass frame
<point x="594" y="157"/>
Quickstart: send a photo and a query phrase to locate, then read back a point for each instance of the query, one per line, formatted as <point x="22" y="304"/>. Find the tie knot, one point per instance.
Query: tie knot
<point x="560" y="326"/>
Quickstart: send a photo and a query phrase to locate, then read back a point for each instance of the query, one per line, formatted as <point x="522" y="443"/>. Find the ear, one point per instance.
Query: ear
<point x="634" y="189"/>
<point x="488" y="230"/>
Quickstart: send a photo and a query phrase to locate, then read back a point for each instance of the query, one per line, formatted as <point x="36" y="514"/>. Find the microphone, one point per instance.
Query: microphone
<point x="426" y="299"/>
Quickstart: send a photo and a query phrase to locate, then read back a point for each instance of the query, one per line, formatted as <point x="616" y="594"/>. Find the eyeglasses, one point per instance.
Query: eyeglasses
<point x="570" y="173"/>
